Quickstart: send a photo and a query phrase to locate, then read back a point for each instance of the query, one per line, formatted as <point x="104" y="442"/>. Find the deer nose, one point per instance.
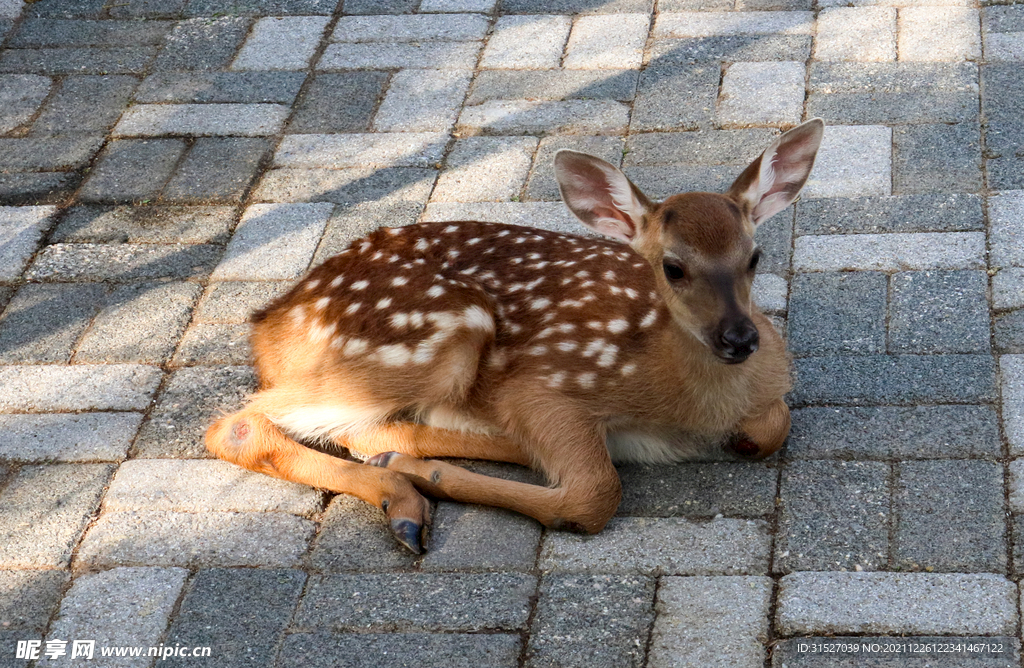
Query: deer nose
<point x="740" y="340"/>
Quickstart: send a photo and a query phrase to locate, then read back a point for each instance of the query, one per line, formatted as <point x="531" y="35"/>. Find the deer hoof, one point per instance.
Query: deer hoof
<point x="381" y="459"/>
<point x="744" y="447"/>
<point x="408" y="533"/>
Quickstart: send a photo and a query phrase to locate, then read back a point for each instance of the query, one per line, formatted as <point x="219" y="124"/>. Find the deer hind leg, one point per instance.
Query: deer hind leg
<point x="251" y="440"/>
<point x="764" y="434"/>
<point x="419" y="440"/>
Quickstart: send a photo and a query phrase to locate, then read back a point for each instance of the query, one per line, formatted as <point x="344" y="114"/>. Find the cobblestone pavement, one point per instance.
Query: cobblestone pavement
<point x="166" y="166"/>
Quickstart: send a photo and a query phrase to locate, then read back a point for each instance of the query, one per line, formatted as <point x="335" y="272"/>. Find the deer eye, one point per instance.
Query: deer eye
<point x="673" y="271"/>
<point x="754" y="260"/>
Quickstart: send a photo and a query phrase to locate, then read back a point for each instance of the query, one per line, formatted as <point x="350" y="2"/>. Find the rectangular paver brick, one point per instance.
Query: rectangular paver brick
<point x="273" y="241"/>
<point x="652" y="545"/>
<point x="1006" y="235"/>
<point x="417" y="601"/>
<point x="485" y="169"/>
<point x="81" y="437"/>
<point x="890" y="252"/>
<point x="937" y="158"/>
<point x="896" y="603"/>
<point x="207" y="87"/>
<point x="381" y="149"/>
<point x="28" y="598"/>
<point x="122" y="606"/>
<point x="347" y="186"/>
<point x="356" y="537"/>
<point x="591" y="620"/>
<point x="939" y="33"/>
<point x="78" y="60"/>
<point x="529" y="117"/>
<point x="145" y="224"/>
<point x="730" y="48"/>
<point x="852" y="161"/>
<point x="124" y="387"/>
<point x="392" y="650"/>
<point x="43" y="322"/>
<point x="281" y="43"/>
<point x="698" y="490"/>
<point x="34" y="32"/>
<point x="201" y="44"/>
<point x="710" y="621"/>
<point x="477" y="538"/>
<point x="576" y="6"/>
<point x="542" y="184"/>
<point x="355" y="221"/>
<point x="338" y="102"/>
<point x="374" y="56"/>
<point x="410" y="28"/>
<point x="607" y="41"/>
<point x="553" y="85"/>
<point x="20" y="97"/>
<point x="934" y="212"/>
<point x="235" y="301"/>
<point x="856" y="33"/>
<point x="1008" y="289"/>
<point x="1011" y="369"/>
<point x="259" y="7"/>
<point x="527" y="42"/>
<point x="214" y="344"/>
<point x="132" y="169"/>
<point x="762" y="94"/>
<point x="707" y="24"/>
<point x="938" y="312"/>
<point x="675" y="96"/>
<point x="1008" y="332"/>
<point x="48" y="153"/>
<point x="121" y="263"/>
<point x="46" y="508"/>
<point x="217" y="169"/>
<point x="247" y="120"/>
<point x="838" y="313"/>
<point x="419" y="100"/>
<point x="204" y="485"/>
<point x="167" y="538"/>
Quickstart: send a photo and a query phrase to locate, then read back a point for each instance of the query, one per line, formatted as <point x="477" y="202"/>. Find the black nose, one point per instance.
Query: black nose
<point x="740" y="340"/>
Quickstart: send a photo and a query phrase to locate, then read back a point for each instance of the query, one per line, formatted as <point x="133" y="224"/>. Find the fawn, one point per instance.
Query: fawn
<point x="520" y="345"/>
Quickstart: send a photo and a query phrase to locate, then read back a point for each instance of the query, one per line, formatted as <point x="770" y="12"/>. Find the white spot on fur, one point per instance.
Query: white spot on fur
<point x="532" y="284"/>
<point x="451" y="228"/>
<point x="298" y="315"/>
<point x="593" y="324"/>
<point x="337" y="281"/>
<point x="312" y="284"/>
<point x="498" y="359"/>
<point x="399" y="281"/>
<point x="474" y="241"/>
<point x="570" y="303"/>
<point x="394" y="231"/>
<point x="618" y="326"/>
<point x="365" y="246"/>
<point x="394" y="258"/>
<point x="384" y="303"/>
<point x="567" y="327"/>
<point x="555" y="380"/>
<point x="567" y="346"/>
<point x="650" y="318"/>
<point x="537" y="351"/>
<point x="394" y="355"/>
<point x="609" y="275"/>
<point x="435" y="291"/>
<point x="318" y="333"/>
<point x="378" y="255"/>
<point x="416" y="319"/>
<point x="586" y="380"/>
<point x="628" y="369"/>
<point x="360" y="285"/>
<point x="352" y="308"/>
<point x="421" y="245"/>
<point x="476" y="317"/>
<point x="355" y="347"/>
<point x="608" y="356"/>
<point x="400" y="320"/>
<point x="593" y="348"/>
<point x="443" y="320"/>
<point x="538" y="304"/>
<point x="322" y="303"/>
<point x="631" y="293"/>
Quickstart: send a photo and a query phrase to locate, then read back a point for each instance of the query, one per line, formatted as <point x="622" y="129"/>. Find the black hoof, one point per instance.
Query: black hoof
<point x="381" y="460"/>
<point x="408" y="533"/>
<point x="744" y="447"/>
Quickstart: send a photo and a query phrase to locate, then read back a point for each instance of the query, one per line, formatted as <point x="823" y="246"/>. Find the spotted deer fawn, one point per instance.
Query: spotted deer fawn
<point x="520" y="345"/>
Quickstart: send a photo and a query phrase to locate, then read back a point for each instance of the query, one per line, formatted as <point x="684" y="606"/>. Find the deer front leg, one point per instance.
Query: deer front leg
<point x="762" y="435"/>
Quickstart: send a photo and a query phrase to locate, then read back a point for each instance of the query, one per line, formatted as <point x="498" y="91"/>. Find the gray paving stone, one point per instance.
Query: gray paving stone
<point x="22" y="229"/>
<point x="46" y="508"/>
<point x="762" y="94"/>
<point x="481" y="169"/>
<point x="1008" y="332"/>
<point x="933" y="212"/>
<point x="457" y="5"/>
<point x="890" y="252"/>
<point x="899" y="603"/>
<point x="674" y="96"/>
<point x="937" y="158"/>
<point x="217" y="170"/>
<point x="973" y="538"/>
<point x="426" y="55"/>
<point x="653" y="546"/>
<point x="939" y="34"/>
<point x="591" y="620"/>
<point x="342" y="102"/>
<point x="422" y="100"/>
<point x="28" y="598"/>
<point x="527" y="42"/>
<point x="43" y="322"/>
<point x="123" y="263"/>
<point x="273" y="241"/>
<point x="47" y="154"/>
<point x="119" y="607"/>
<point x="118" y="387"/>
<point x="834" y="516"/>
<point x="189" y="402"/>
<point x="34" y="32"/>
<point x="140" y="323"/>
<point x="259" y="7"/>
<point x="529" y="117"/>
<point x="245" y="120"/>
<point x="281" y="43"/>
<point x="379" y="6"/>
<point x="704" y="147"/>
<point x="852" y="161"/>
<point x="380" y="149"/>
<point x="1004" y="47"/>
<point x="392" y="650"/>
<point x="1006" y="231"/>
<point x="718" y="620"/>
<point x="416" y="601"/>
<point x="575" y="6"/>
<point x="610" y="41"/>
<point x="888" y="432"/>
<point x="730" y="48"/>
<point x="862" y="652"/>
<point x="147" y="9"/>
<point x="553" y="216"/>
<point x="20" y="97"/>
<point x="355" y="221"/>
<point x="1007" y="18"/>
<point x="856" y="33"/>
<point x="235" y="301"/>
<point x="203" y="486"/>
<point x="67" y="8"/>
<point x="202" y="44"/>
<point x="661" y="182"/>
<point x="896" y="379"/>
<point x="477" y="538"/>
<point x="837" y="312"/>
<point x="1008" y="289"/>
<point x="36" y="189"/>
<point x="939" y="312"/>
<point x="770" y="293"/>
<point x="698" y="490"/>
<point x="1011" y="369"/>
<point x="542" y="184"/>
<point x="705" y="24"/>
<point x="195" y="540"/>
<point x="413" y="28"/>
<point x="214" y="344"/>
<point x="893" y="92"/>
<point x="346" y="186"/>
<point x="356" y="537"/>
<point x="78" y="60"/>
<point x="132" y="169"/>
<point x="104" y="96"/>
<point x="145" y="224"/>
<point x="219" y="87"/>
<point x="241" y="612"/>
<point x="85" y="437"/>
<point x="553" y="85"/>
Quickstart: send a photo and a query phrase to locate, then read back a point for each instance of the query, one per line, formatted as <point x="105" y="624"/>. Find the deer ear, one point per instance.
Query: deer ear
<point x="772" y="182"/>
<point x="600" y="195"/>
